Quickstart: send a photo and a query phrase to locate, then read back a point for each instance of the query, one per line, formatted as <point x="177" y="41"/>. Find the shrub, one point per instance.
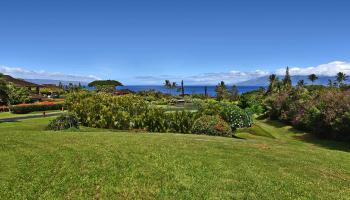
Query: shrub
<point x="63" y="122"/>
<point x="235" y="116"/>
<point x="155" y="120"/>
<point x="211" y="125"/>
<point x="323" y="111"/>
<point x="27" y="108"/>
<point x="181" y="121"/>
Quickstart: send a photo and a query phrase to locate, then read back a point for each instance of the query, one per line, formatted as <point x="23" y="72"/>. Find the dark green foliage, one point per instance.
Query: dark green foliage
<point x="252" y="101"/>
<point x="105" y="83"/>
<point x="341" y="77"/>
<point x="211" y="125"/>
<point x="63" y="122"/>
<point x="3" y="91"/>
<point x="312" y="78"/>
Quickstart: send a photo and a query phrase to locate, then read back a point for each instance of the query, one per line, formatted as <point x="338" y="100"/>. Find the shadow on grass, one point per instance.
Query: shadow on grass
<point x="311" y="138"/>
<point x="236" y="137"/>
<point x="275" y="124"/>
<point x="325" y="143"/>
<point x="9" y="120"/>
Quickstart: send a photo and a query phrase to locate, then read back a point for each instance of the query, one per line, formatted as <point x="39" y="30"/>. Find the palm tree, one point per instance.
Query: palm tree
<point x="301" y="83"/>
<point x="312" y="78"/>
<point x="330" y="83"/>
<point x="167" y="85"/>
<point x="341" y="77"/>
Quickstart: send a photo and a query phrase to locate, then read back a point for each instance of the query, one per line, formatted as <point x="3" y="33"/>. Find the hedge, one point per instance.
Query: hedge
<point x="27" y="108"/>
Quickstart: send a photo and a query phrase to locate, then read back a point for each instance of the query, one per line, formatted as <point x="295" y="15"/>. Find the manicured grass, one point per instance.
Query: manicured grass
<point x="171" y="108"/>
<point x="95" y="163"/>
<point x="9" y="114"/>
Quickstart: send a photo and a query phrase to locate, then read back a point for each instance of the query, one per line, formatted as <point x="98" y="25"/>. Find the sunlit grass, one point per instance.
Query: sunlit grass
<point x="95" y="163"/>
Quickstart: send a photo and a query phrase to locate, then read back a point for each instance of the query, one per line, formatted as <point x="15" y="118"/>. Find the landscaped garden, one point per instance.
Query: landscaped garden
<point x="286" y="142"/>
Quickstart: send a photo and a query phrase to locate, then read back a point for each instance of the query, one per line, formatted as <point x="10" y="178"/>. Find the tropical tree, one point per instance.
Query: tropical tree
<point x="60" y="85"/>
<point x="341" y="77"/>
<point x="301" y="83"/>
<point x="167" y="85"/>
<point x="273" y="79"/>
<point x="234" y="95"/>
<point x="17" y="95"/>
<point x="312" y="78"/>
<point x="221" y="91"/>
<point x="330" y="83"/>
<point x="287" y="82"/>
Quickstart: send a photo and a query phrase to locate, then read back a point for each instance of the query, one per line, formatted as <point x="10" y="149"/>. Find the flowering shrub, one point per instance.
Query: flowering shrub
<point x="230" y="112"/>
<point x="211" y="125"/>
<point x="235" y="116"/>
<point x="323" y="111"/>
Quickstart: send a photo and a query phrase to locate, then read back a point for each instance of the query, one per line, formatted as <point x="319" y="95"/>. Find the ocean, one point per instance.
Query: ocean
<point x="188" y="89"/>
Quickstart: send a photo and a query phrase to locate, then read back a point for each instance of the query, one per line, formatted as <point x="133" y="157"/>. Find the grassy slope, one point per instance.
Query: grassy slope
<point x="96" y="163"/>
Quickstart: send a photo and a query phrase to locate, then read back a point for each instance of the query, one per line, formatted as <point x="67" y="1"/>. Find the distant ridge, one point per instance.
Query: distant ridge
<point x="264" y="80"/>
<point x="55" y="82"/>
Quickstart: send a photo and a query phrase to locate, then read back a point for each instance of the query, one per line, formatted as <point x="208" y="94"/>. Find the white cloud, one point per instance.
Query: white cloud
<point x="206" y="78"/>
<point x="232" y="77"/>
<point x="19" y="72"/>
<point x="329" y="69"/>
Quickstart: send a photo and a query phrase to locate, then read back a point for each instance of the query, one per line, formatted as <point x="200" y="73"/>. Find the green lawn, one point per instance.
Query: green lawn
<point x="9" y="114"/>
<point x="95" y="163"/>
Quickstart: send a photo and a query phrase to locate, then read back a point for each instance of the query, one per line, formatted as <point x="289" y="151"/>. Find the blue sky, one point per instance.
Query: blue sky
<point x="144" y="42"/>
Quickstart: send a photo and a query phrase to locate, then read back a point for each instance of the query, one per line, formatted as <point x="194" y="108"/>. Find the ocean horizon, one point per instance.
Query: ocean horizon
<point x="189" y="89"/>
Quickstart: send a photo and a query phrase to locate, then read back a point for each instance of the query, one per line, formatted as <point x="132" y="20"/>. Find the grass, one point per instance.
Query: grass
<point x="10" y="115"/>
<point x="172" y="108"/>
<point x="95" y="163"/>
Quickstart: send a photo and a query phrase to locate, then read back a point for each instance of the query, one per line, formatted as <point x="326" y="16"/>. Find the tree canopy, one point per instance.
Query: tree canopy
<point x="105" y="83"/>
